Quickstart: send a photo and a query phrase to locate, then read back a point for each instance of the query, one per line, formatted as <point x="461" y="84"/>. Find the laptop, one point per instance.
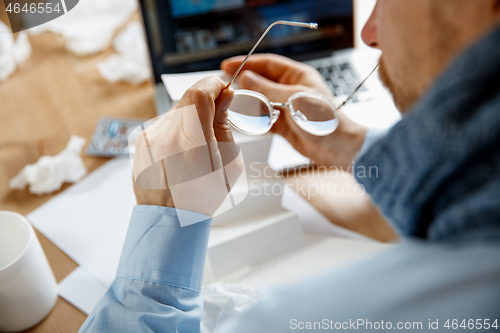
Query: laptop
<point x="189" y="36"/>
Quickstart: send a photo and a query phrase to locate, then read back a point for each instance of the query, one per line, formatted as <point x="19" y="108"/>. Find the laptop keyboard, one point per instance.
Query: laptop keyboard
<point x="341" y="78"/>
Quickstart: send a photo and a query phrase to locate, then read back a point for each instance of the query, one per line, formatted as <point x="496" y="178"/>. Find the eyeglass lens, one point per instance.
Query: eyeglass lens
<point x="253" y="115"/>
<point x="249" y="114"/>
<point x="314" y="115"/>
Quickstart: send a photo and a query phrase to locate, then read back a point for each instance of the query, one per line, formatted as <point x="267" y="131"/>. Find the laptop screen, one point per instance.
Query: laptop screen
<point x="196" y="35"/>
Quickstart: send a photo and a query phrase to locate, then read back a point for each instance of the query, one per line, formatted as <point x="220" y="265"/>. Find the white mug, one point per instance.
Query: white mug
<point x="28" y="289"/>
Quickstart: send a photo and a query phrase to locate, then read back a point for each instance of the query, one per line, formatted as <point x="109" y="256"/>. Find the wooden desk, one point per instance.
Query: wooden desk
<point x="56" y="94"/>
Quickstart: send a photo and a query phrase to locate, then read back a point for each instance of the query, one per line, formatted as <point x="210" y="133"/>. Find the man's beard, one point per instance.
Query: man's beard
<point x="384" y="77"/>
<point x="403" y="96"/>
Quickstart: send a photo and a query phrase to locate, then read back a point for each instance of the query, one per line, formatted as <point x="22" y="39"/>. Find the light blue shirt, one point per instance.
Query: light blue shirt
<point x="417" y="284"/>
<point x="157" y="287"/>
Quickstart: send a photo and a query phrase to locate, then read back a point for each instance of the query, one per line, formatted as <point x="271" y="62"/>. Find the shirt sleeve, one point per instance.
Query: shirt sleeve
<point x="158" y="282"/>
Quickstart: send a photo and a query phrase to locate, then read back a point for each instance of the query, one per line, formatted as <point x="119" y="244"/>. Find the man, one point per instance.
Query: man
<point x="438" y="184"/>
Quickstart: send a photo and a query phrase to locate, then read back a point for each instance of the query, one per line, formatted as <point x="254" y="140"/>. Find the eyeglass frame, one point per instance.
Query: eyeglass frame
<point x="274" y="113"/>
<point x="270" y="104"/>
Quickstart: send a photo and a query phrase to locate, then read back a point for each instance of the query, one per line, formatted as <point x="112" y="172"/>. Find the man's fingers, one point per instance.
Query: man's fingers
<point x="280" y="126"/>
<point x="276" y="92"/>
<point x="288" y="129"/>
<point x="271" y="66"/>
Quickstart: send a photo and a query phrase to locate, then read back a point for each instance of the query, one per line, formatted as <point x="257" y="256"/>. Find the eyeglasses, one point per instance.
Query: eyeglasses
<point x="253" y="113"/>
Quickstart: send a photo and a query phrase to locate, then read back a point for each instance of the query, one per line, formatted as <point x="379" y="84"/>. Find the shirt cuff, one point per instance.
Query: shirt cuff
<point x="159" y="250"/>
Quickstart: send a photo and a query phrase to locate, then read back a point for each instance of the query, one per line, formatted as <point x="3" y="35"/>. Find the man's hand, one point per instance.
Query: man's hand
<point x="278" y="78"/>
<point x="188" y="143"/>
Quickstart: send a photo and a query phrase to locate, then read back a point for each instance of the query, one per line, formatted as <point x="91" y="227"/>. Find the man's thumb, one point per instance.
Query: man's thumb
<point x="222" y="128"/>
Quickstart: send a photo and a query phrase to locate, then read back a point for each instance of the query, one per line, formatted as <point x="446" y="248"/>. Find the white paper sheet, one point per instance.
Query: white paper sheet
<point x="89" y="220"/>
<point x="81" y="289"/>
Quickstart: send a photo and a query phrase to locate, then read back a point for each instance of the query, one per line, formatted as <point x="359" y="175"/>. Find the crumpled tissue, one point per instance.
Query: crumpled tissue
<point x="222" y="301"/>
<point x="50" y="172"/>
<point x="90" y="26"/>
<point x="131" y="64"/>
<point x="13" y="53"/>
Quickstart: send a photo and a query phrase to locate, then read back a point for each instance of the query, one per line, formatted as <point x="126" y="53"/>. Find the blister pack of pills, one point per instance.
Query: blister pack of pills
<point x="111" y="136"/>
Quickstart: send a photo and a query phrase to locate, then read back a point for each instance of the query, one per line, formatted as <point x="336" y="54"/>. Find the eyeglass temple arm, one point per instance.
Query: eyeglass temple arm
<point x="297" y="24"/>
<point x="358" y="87"/>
